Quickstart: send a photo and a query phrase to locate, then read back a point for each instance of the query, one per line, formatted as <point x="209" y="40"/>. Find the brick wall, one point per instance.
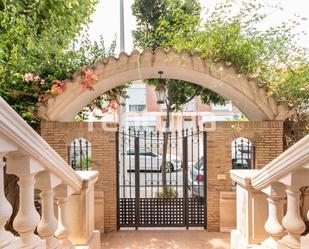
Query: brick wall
<point x="266" y="136"/>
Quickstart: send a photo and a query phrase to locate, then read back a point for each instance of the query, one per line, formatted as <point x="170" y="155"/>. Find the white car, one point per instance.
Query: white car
<point x="196" y="178"/>
<point x="152" y="161"/>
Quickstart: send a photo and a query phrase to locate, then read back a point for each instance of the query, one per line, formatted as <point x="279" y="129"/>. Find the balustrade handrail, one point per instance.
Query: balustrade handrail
<point x="293" y="158"/>
<point x="17" y="130"/>
<point x="272" y="194"/>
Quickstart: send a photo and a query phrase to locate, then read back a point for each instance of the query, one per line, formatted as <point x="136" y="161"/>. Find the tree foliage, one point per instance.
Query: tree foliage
<point x="272" y="55"/>
<point x="157" y="21"/>
<point x="41" y="44"/>
<point x="151" y="14"/>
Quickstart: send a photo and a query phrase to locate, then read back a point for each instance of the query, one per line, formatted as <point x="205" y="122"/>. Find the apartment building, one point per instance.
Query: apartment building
<point x="143" y="112"/>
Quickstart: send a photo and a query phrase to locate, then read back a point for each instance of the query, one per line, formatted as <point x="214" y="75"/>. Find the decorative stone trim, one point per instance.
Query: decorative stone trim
<point x="289" y="160"/>
<point x="246" y="93"/>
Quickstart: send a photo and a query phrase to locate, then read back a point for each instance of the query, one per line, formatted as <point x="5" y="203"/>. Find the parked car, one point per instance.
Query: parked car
<point x="152" y="161"/>
<point x="196" y="178"/>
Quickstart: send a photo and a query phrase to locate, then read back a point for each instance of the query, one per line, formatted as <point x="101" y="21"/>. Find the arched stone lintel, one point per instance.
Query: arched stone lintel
<point x="252" y="136"/>
<point x="77" y="133"/>
<point x="246" y="94"/>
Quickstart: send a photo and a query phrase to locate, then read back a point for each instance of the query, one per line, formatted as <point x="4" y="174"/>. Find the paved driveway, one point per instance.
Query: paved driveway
<point x="165" y="239"/>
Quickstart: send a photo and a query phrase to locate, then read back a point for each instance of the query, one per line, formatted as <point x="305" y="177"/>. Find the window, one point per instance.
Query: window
<point x="189" y="106"/>
<point x="187" y="123"/>
<point x="227" y="107"/>
<point x="243" y="154"/>
<point x="79" y="154"/>
<point x="137" y="108"/>
<point x="150" y="128"/>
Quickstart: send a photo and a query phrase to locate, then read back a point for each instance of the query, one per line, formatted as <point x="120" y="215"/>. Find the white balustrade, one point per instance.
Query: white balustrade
<point x="288" y="172"/>
<point x="38" y="166"/>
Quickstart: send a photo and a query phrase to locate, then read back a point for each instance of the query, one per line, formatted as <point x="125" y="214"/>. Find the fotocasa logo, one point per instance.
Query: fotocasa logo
<point x="206" y="121"/>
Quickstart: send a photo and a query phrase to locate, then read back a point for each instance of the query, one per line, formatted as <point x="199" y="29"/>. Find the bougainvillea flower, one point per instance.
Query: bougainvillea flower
<point x="37" y="78"/>
<point x="88" y="78"/>
<point x="29" y="77"/>
<point x="58" y="87"/>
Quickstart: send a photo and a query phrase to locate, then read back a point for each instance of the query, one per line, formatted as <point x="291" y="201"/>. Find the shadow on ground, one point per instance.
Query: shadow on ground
<point x="165" y="239"/>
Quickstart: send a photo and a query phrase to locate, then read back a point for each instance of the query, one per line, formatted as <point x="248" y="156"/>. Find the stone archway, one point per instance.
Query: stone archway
<point x="246" y="94"/>
<point x="220" y="77"/>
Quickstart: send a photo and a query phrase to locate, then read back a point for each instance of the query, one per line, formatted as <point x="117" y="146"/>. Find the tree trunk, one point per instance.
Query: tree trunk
<point x="165" y="144"/>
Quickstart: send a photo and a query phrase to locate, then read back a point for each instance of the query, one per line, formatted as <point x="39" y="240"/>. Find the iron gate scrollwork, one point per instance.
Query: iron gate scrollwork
<point x="144" y="199"/>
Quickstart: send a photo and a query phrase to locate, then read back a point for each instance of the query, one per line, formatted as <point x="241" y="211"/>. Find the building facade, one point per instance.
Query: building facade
<point x="144" y="114"/>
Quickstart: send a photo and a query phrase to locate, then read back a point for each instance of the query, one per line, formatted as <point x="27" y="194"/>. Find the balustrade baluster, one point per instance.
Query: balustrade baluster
<point x="47" y="227"/>
<point x="7" y="239"/>
<point x="63" y="192"/>
<point x="292" y="221"/>
<point x="273" y="226"/>
<point x="305" y="239"/>
<point x="27" y="218"/>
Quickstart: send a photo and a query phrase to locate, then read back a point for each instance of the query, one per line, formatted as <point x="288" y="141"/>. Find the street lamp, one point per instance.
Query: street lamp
<point x="161" y="90"/>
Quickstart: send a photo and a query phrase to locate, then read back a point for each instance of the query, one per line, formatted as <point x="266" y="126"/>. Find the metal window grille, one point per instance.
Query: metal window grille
<point x="243" y="154"/>
<point x="79" y="154"/>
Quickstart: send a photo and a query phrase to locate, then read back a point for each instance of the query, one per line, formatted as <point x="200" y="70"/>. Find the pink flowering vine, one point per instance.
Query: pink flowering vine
<point x="28" y="77"/>
<point x="88" y="78"/>
<point x="110" y="107"/>
<point x="37" y="78"/>
<point x="58" y="87"/>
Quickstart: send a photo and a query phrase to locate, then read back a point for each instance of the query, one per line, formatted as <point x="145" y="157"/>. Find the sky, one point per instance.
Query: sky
<point x="105" y="21"/>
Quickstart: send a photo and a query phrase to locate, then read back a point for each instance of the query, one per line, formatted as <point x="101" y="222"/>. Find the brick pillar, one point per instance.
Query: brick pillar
<point x="267" y="136"/>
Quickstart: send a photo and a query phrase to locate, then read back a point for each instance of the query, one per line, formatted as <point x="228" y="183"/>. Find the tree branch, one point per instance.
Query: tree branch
<point x="197" y="91"/>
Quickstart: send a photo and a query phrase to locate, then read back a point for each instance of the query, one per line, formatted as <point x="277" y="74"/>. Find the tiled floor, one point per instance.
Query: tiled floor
<point x="165" y="239"/>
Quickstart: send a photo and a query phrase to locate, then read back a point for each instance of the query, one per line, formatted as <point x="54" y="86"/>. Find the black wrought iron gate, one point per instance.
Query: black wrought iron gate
<point x="151" y="195"/>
